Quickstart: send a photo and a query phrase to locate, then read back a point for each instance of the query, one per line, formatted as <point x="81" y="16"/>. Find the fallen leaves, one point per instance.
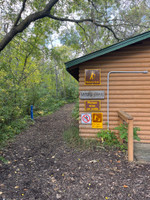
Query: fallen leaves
<point x="93" y="161"/>
<point x="78" y="174"/>
<point x="53" y="180"/>
<point x="2" y="185"/>
<point x="118" y="161"/>
<point x="58" y="196"/>
<point x="111" y="173"/>
<point x="125" y="186"/>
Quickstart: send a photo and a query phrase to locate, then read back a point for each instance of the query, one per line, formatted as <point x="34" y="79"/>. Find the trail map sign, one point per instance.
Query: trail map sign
<point x="86" y="118"/>
<point x="97" y="120"/>
<point x="92" y="105"/>
<point x="92" y="77"/>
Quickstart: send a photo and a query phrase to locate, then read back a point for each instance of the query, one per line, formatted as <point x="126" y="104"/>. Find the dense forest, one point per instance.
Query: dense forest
<point x="38" y="37"/>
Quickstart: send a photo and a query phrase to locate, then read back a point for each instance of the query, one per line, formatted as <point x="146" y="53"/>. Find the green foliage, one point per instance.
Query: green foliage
<point x="75" y="112"/>
<point x="3" y="160"/>
<point x="123" y="132"/>
<point x="112" y="21"/>
<point x="48" y="105"/>
<point x="72" y="138"/>
<point x="9" y="130"/>
<point x="29" y="77"/>
<point x="107" y="137"/>
<point x="71" y="92"/>
<point x="135" y="136"/>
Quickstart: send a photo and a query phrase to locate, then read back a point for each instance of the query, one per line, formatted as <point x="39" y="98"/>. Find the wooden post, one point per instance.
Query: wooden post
<point x="129" y="119"/>
<point x="130" y="140"/>
<point x="120" y="140"/>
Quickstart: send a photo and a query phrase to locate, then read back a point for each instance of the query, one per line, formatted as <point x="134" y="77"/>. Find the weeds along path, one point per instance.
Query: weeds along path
<point x="41" y="166"/>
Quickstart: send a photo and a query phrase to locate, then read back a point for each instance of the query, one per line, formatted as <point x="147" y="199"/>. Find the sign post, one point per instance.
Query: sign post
<point x="31" y="112"/>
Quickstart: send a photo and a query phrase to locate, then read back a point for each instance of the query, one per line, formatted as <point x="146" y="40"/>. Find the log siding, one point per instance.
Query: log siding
<point x="128" y="92"/>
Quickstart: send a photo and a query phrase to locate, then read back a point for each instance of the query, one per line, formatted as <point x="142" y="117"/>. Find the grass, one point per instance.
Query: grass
<point x="3" y="160"/>
<point x="72" y="138"/>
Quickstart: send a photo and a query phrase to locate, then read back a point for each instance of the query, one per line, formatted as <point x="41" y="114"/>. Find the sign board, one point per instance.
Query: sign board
<point x="92" y="77"/>
<point x="98" y="94"/>
<point x="86" y="118"/>
<point x="97" y="120"/>
<point x="92" y="105"/>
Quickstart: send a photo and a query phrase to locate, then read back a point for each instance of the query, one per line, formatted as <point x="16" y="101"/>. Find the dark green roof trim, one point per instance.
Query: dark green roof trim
<point x="109" y="49"/>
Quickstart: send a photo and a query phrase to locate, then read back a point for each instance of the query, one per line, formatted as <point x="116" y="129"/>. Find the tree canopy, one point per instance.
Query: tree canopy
<point x="93" y="20"/>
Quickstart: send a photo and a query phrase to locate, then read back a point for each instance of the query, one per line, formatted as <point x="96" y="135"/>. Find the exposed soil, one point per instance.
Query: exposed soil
<point x="41" y="166"/>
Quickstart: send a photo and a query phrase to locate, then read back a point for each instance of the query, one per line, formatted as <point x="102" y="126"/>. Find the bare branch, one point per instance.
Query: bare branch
<point x="50" y="5"/>
<point x="24" y="66"/>
<point x="110" y="29"/>
<point x="83" y="30"/>
<point x="85" y="20"/>
<point x="69" y="20"/>
<point x="94" y="6"/>
<point x="21" y="11"/>
<point x="86" y="35"/>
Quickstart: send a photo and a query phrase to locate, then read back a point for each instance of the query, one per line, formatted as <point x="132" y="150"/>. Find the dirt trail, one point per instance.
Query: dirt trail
<point x="41" y="166"/>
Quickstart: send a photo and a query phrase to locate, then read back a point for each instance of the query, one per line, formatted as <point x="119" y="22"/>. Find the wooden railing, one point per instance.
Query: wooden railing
<point x="125" y="117"/>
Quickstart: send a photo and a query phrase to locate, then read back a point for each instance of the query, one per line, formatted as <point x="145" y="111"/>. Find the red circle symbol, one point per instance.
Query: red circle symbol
<point x="86" y="118"/>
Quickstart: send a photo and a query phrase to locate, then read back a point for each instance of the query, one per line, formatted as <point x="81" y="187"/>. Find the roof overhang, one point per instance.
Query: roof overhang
<point x="73" y="66"/>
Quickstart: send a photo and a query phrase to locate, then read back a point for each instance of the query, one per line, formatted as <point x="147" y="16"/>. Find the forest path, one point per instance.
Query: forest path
<point x="41" y="166"/>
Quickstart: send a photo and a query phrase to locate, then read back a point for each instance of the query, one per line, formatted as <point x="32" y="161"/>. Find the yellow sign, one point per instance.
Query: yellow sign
<point x="97" y="120"/>
<point x="92" y="76"/>
<point x="93" y="105"/>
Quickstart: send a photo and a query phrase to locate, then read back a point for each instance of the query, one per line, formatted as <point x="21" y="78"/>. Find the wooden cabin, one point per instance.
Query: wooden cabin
<point x="127" y="66"/>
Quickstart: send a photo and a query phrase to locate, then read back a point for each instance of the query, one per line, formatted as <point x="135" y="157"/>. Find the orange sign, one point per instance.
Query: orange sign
<point x="97" y="120"/>
<point x="92" y="105"/>
<point x="92" y="77"/>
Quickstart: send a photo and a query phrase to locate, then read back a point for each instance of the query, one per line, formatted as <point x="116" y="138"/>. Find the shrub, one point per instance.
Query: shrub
<point x="109" y="138"/>
<point x="123" y="132"/>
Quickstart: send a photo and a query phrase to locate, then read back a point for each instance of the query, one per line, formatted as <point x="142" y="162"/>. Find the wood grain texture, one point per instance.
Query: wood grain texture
<point x="128" y="92"/>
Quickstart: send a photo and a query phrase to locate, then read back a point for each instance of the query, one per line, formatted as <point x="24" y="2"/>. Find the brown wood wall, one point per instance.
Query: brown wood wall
<point x="128" y="92"/>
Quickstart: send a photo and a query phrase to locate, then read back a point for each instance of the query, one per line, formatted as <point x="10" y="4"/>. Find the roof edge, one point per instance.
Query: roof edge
<point x="108" y="49"/>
